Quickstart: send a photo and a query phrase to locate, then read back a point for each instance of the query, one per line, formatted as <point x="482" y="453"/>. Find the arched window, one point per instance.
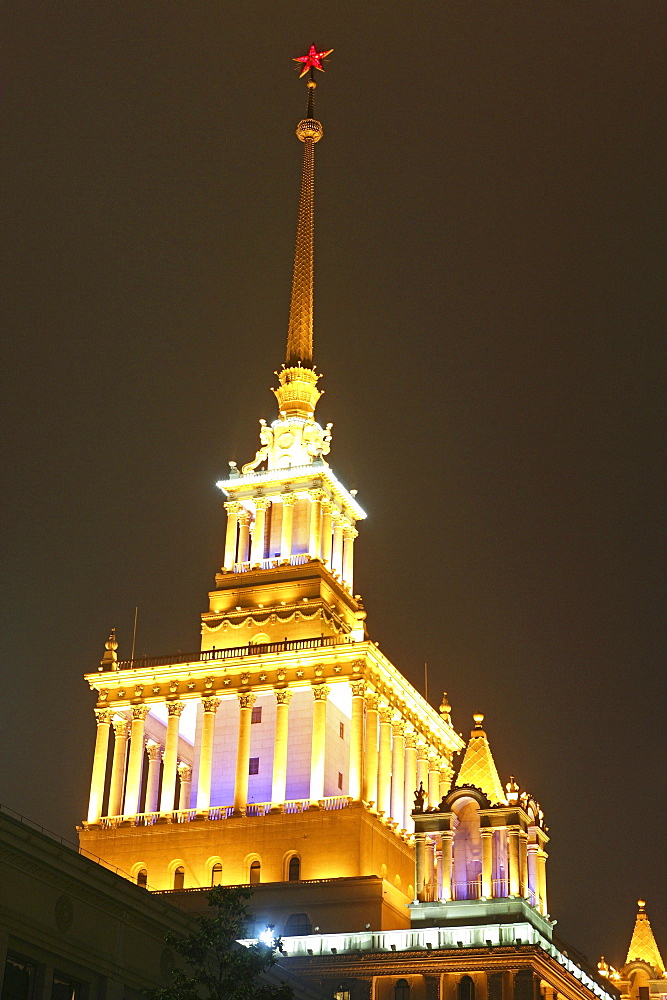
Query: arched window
<point x="142" y="877"/>
<point x="216" y="874"/>
<point x="255" y="872"/>
<point x="294" y="869"/>
<point x="466" y="989"/>
<point x="179" y="877"/>
<point x="402" y="990"/>
<point x="298" y="924"/>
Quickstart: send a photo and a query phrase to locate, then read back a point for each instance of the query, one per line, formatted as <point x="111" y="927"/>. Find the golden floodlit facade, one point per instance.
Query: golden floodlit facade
<point x="290" y="754"/>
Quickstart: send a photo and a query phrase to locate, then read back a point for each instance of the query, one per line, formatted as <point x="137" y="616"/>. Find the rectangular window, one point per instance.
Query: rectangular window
<point x="253" y="765"/>
<point x="64" y="989"/>
<point x="256" y="714"/>
<point x="342" y="730"/>
<point x="19" y="981"/>
<point x="340" y="780"/>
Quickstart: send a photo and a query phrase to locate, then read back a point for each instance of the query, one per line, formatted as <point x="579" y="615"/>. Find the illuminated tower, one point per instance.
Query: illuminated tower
<point x="287" y="749"/>
<point x="642" y="976"/>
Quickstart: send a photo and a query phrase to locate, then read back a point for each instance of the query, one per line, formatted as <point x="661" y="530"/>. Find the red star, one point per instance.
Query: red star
<point x="313" y="60"/>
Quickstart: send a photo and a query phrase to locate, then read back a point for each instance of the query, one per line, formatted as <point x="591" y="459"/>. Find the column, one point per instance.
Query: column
<point x="185" y="775"/>
<point x="210" y="706"/>
<point x="279" y="782"/>
<point x="487" y="863"/>
<point x="244" y="535"/>
<point x="523" y="863"/>
<point x="438" y="867"/>
<point x="349" y="535"/>
<point x="326" y="532"/>
<point x="154" y="751"/>
<point x="121" y="732"/>
<point x="355" y="783"/>
<point x="542" y="881"/>
<point x="371" y="761"/>
<point x="246" y="701"/>
<point x="531" y="858"/>
<point x="288" y="500"/>
<point x="316" y="498"/>
<point x="398" y="774"/>
<point x="430" y="869"/>
<point x="337" y="556"/>
<point x="446" y="776"/>
<point x="232" y="509"/>
<point x="420" y="866"/>
<point x="410" y="778"/>
<point x="318" y="751"/>
<point x="446" y="888"/>
<point x="422" y="766"/>
<point x="170" y="756"/>
<point x="513" y="852"/>
<point x="136" y="760"/>
<point x="261" y="507"/>
<point x="433" y="780"/>
<point x="95" y="802"/>
<point x="384" y="763"/>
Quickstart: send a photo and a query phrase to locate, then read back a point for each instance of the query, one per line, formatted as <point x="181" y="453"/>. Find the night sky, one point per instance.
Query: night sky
<point x="489" y="298"/>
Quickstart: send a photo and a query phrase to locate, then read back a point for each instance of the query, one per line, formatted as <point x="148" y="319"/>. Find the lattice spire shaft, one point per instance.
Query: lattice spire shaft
<point x="300" y="330"/>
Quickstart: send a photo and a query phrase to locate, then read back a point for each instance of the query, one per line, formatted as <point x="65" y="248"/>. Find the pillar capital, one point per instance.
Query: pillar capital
<point x="232" y="506"/>
<point x="262" y="503"/>
<point x="246" y="699"/>
<point x="175" y="707"/>
<point x="486" y="832"/>
<point x="103" y="716"/>
<point x="317" y="496"/>
<point x="349" y="531"/>
<point x="410" y="738"/>
<point x="358" y="688"/>
<point x="372" y="701"/>
<point x="244" y="515"/>
<point x="288" y="499"/>
<point x="447" y="835"/>
<point x="327" y="505"/>
<point x="184" y="771"/>
<point x="398" y="727"/>
<point x="320" y="692"/>
<point x="140" y="712"/>
<point x="422" y="749"/>
<point x="154" y="750"/>
<point x="283" y="695"/>
<point x="121" y="727"/>
<point x="386" y="712"/>
<point x="211" y="704"/>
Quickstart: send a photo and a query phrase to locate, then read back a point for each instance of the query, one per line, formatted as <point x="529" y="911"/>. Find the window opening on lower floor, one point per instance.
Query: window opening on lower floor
<point x="65" y="989"/>
<point x="253" y="765"/>
<point x="256" y="715"/>
<point x="19" y="981"/>
<point x="216" y="874"/>
<point x="402" y="990"/>
<point x="255" y="872"/>
<point x="179" y="877"/>
<point x="142" y="877"/>
<point x="341" y="992"/>
<point x="466" y="989"/>
<point x="294" y="869"/>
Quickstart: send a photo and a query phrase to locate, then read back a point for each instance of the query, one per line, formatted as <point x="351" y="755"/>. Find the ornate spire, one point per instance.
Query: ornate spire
<point x="478" y="767"/>
<point x="643" y="947"/>
<point x="309" y="131"/>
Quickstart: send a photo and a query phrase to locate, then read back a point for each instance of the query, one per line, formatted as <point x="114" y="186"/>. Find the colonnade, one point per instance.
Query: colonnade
<point x="435" y="863"/>
<point x="387" y="759"/>
<point x="331" y="534"/>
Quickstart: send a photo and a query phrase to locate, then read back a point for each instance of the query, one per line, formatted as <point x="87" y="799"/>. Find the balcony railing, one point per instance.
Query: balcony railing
<point x="274" y="563"/>
<point x="467" y="890"/>
<point x="328" y="804"/>
<point x="234" y="653"/>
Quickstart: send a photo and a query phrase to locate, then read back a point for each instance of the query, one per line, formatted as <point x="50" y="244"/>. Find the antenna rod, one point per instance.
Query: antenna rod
<point x="134" y="633"/>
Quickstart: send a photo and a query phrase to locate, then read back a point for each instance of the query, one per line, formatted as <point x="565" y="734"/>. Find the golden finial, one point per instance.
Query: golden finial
<point x="478" y="719"/>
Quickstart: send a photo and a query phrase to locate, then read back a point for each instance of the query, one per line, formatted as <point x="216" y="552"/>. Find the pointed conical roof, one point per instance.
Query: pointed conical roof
<point x="478" y="767"/>
<point x="643" y="947"/>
